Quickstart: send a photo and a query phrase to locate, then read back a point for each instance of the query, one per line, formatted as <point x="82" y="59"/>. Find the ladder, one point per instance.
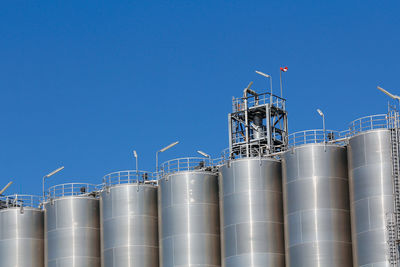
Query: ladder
<point x="395" y="173"/>
<point x="392" y="239"/>
<point x="393" y="219"/>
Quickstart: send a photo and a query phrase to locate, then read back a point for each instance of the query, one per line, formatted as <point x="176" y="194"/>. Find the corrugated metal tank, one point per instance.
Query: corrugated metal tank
<point x="21" y="232"/>
<point x="316" y="206"/>
<point x="72" y="227"/>
<point x="371" y="196"/>
<point x="129" y="221"/>
<point x="189" y="218"/>
<point x="251" y="213"/>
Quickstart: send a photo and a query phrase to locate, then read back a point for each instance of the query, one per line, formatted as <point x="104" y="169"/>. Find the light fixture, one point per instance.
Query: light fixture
<point x="203" y="154"/>
<point x="163" y="150"/>
<point x="49" y="175"/>
<point x="5" y="188"/>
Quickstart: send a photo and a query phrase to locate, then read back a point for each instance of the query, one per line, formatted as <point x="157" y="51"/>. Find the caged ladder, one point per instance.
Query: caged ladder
<point x="393" y="220"/>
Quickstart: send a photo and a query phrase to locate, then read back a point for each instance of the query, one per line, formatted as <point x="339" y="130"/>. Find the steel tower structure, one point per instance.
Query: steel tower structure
<point x="257" y="124"/>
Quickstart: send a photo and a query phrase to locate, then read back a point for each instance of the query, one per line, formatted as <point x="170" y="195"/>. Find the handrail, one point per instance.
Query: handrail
<point x="16" y="200"/>
<point x="379" y="121"/>
<point x="185" y="164"/>
<point x="128" y="177"/>
<point x="366" y="123"/>
<point x="254" y="151"/>
<point x="259" y="99"/>
<point x="314" y="136"/>
<point x="72" y="189"/>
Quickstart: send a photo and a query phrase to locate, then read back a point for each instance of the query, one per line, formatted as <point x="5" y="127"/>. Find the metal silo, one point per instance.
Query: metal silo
<point x="250" y="182"/>
<point x="72" y="226"/>
<point x="370" y="154"/>
<point x="129" y="220"/>
<point x="316" y="202"/>
<point x="251" y="213"/>
<point x="21" y="231"/>
<point x="189" y="214"/>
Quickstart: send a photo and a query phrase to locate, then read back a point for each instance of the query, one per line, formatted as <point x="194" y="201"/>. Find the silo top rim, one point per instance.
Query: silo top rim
<point x="250" y="158"/>
<point x="212" y="172"/>
<point x="368" y="131"/>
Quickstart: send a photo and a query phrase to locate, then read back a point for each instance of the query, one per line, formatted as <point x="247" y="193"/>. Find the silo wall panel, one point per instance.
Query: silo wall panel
<point x="251" y="213"/>
<point x="21" y="237"/>
<point x="72" y="232"/>
<point x="129" y="226"/>
<point x="189" y="219"/>
<point x="371" y="196"/>
<point x="316" y="206"/>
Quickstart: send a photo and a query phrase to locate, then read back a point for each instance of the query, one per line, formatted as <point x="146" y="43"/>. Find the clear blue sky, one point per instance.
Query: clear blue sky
<point x="83" y="83"/>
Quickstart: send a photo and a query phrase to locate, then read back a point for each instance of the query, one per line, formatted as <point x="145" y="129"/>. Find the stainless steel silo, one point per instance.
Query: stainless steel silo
<point x="72" y="226"/>
<point x="189" y="214"/>
<point x="371" y="192"/>
<point x="21" y="232"/>
<point x="129" y="220"/>
<point x="316" y="205"/>
<point x="251" y="213"/>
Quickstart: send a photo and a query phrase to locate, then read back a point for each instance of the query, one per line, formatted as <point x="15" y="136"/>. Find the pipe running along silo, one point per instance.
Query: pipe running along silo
<point x="371" y="191"/>
<point x="251" y="213"/>
<point x="72" y="226"/>
<point x="189" y="214"/>
<point x="21" y="231"/>
<point x="316" y="201"/>
<point x="129" y="220"/>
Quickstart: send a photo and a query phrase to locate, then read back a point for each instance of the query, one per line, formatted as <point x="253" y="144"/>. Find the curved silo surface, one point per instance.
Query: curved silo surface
<point x="129" y="220"/>
<point x="189" y="215"/>
<point x="316" y="206"/>
<point x="371" y="195"/>
<point x="251" y="213"/>
<point x="72" y="227"/>
<point x="21" y="232"/>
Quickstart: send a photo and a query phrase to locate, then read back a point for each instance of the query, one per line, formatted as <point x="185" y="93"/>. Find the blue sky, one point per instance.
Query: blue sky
<point x="83" y="83"/>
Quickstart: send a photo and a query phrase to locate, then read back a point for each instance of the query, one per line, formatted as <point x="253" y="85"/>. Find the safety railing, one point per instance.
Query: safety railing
<point x="314" y="137"/>
<point x="72" y="189"/>
<point x="369" y="123"/>
<point x="238" y="104"/>
<point x="13" y="201"/>
<point x="380" y="121"/>
<point x="184" y="164"/>
<point x="129" y="177"/>
<point x="244" y="151"/>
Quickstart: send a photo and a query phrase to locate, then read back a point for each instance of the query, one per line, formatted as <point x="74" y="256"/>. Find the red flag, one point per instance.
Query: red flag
<point x="284" y="69"/>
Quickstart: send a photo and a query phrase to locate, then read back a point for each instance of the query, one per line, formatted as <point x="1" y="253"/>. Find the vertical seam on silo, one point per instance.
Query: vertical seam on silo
<point x="301" y="228"/>
<point x="369" y="215"/>
<point x="236" y="241"/>
<point x="173" y="250"/>
<point x="113" y="258"/>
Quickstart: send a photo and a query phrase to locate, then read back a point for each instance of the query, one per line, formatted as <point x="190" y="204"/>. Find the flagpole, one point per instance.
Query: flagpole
<point x="280" y="72"/>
